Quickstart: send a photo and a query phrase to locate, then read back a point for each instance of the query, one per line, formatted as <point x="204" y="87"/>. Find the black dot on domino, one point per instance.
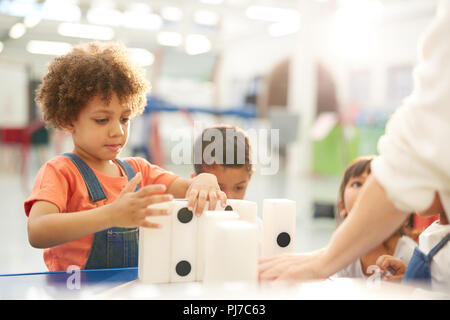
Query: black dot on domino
<point x="183" y="268"/>
<point x="283" y="239"/>
<point x="184" y="215"/>
<point x="228" y="208"/>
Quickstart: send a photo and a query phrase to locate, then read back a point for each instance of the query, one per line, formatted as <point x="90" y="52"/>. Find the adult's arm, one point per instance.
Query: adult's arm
<point x="412" y="167"/>
<point x="373" y="219"/>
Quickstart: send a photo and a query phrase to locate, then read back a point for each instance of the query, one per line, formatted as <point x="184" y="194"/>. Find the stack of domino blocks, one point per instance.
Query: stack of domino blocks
<point x="218" y="246"/>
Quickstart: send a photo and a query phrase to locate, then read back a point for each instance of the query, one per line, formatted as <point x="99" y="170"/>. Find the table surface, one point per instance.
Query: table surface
<point x="123" y="283"/>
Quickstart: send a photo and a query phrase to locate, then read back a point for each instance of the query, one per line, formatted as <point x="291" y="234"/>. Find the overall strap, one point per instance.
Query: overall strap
<point x="129" y="170"/>
<point x="95" y="189"/>
<point x="438" y="246"/>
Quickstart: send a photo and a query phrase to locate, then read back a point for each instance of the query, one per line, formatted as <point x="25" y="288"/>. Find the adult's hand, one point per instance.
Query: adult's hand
<point x="292" y="267"/>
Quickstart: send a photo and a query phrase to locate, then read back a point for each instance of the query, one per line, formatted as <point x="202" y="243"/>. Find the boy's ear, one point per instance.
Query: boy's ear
<point x="341" y="208"/>
<point x="67" y="127"/>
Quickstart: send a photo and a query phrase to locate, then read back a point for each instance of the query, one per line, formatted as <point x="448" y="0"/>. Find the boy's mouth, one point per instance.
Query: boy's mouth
<point x="113" y="147"/>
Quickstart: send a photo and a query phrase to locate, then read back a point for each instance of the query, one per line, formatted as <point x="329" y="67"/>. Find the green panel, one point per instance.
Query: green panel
<point x="328" y="153"/>
<point x="332" y="154"/>
<point x="369" y="140"/>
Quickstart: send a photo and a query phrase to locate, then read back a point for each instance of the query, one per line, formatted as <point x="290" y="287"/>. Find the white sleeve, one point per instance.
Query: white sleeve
<point x="414" y="159"/>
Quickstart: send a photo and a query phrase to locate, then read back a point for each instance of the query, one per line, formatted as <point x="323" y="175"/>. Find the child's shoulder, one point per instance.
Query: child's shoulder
<point x="58" y="163"/>
<point x="143" y="165"/>
<point x="136" y="161"/>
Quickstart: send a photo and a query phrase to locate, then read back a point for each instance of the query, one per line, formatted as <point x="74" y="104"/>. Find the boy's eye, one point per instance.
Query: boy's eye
<point x="356" y="184"/>
<point x="125" y="120"/>
<point x="239" y="188"/>
<point x="101" y="120"/>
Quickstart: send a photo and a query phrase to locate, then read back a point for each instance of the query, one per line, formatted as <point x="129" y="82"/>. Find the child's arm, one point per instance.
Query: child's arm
<point x="47" y="227"/>
<point x="394" y="265"/>
<point x="203" y="187"/>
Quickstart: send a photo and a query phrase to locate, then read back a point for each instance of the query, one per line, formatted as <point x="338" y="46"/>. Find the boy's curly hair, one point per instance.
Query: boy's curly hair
<point x="91" y="69"/>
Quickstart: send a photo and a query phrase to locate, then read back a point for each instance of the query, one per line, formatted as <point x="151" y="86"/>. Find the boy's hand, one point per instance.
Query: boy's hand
<point x="205" y="188"/>
<point x="394" y="265"/>
<point x="130" y="208"/>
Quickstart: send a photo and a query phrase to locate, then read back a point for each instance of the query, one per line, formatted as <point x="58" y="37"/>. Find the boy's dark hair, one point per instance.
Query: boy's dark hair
<point x="354" y="169"/>
<point x="88" y="70"/>
<point x="232" y="139"/>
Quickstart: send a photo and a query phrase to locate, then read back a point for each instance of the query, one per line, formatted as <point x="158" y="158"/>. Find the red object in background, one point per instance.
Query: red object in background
<point x="22" y="138"/>
<point x="421" y="223"/>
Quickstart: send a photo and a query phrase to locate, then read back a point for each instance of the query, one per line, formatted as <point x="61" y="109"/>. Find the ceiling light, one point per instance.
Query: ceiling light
<point x="139" y="7"/>
<point x="48" y="47"/>
<point x="206" y="17"/>
<point x="141" y="56"/>
<point x="85" y="31"/>
<point x="17" y="30"/>
<point x="104" y="16"/>
<point x="170" y="39"/>
<point x="61" y="10"/>
<point x="197" y="44"/>
<point x="141" y="20"/>
<point x="284" y="28"/>
<point x="272" y="14"/>
<point x="171" y="13"/>
<point x="17" y="8"/>
<point x="32" y="19"/>
<point x="213" y="2"/>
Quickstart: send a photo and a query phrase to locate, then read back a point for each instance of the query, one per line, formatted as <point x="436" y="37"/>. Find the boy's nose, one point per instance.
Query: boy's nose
<point x="117" y="129"/>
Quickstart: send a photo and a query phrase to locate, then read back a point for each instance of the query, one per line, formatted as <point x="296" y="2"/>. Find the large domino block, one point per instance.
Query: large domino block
<point x="279" y="218"/>
<point x="155" y="247"/>
<point x="233" y="253"/>
<point x="184" y="243"/>
<point x="247" y="210"/>
<point x="205" y="223"/>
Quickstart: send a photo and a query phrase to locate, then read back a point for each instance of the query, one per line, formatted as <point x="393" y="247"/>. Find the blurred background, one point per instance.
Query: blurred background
<point x="326" y="74"/>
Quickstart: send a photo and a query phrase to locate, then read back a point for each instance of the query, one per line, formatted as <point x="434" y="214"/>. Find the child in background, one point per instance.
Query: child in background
<point x="398" y="245"/>
<point x="84" y="209"/>
<point x="233" y="173"/>
<point x="430" y="264"/>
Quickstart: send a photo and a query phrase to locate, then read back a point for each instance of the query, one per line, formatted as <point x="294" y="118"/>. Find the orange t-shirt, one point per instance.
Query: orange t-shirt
<point x="60" y="182"/>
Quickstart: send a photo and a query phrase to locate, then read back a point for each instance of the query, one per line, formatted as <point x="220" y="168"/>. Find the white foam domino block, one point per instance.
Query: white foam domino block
<point x="247" y="210"/>
<point x="205" y="222"/>
<point x="184" y="243"/>
<point x="279" y="218"/>
<point x="233" y="253"/>
<point x="155" y="248"/>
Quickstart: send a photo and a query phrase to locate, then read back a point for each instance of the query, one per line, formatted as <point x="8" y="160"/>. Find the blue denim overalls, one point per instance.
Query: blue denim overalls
<point x="115" y="247"/>
<point x="418" y="270"/>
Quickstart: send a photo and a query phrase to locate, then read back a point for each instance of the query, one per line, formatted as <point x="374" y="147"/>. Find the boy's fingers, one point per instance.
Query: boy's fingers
<point x="212" y="200"/>
<point x="151" y="189"/>
<point x="191" y="196"/>
<point x="148" y="224"/>
<point x="156" y="212"/>
<point x="132" y="184"/>
<point x="394" y="278"/>
<point x="202" y="196"/>
<point x="223" y="198"/>
<point x="154" y="199"/>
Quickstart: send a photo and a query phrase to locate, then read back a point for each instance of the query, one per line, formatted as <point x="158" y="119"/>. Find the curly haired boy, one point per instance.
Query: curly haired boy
<point x="84" y="209"/>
